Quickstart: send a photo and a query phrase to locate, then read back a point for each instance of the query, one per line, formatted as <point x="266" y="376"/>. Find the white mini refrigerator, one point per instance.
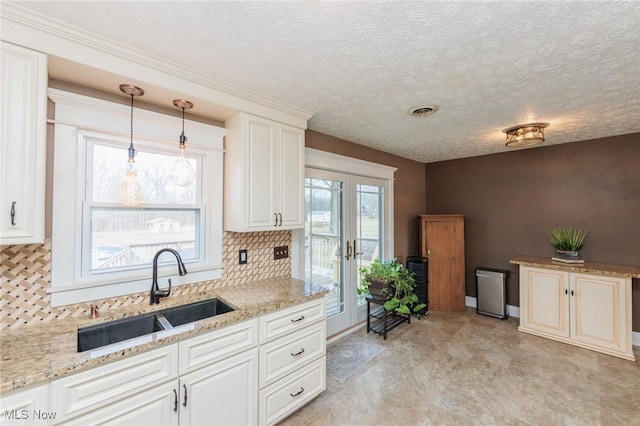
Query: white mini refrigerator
<point x="491" y="291"/>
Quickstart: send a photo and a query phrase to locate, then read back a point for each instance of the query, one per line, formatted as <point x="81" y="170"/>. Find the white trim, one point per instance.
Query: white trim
<point x="472" y="302"/>
<point x="339" y="163"/>
<point x="345" y="333"/>
<point x="78" y="113"/>
<point x="25" y="27"/>
<point x="99" y="115"/>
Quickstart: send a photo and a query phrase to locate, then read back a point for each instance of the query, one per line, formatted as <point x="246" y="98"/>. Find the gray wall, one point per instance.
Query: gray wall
<point x="511" y="200"/>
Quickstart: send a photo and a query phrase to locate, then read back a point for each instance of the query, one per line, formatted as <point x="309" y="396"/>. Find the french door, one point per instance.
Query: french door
<point x="345" y="229"/>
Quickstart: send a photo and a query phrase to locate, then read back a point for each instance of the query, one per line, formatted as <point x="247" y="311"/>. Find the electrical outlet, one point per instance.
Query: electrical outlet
<point x="281" y="252"/>
<point x="242" y="257"/>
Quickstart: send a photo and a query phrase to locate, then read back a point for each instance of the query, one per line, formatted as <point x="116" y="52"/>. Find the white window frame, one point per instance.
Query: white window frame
<point x="77" y="116"/>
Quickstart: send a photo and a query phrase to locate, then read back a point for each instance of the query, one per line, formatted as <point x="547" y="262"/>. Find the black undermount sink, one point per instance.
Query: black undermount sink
<point x="196" y="311"/>
<point x="99" y="335"/>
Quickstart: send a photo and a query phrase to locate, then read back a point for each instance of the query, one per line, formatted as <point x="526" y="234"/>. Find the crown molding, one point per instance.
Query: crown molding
<point x="61" y="34"/>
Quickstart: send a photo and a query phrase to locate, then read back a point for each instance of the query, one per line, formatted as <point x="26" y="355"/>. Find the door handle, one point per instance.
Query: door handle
<point x="276" y="221"/>
<point x="13" y="213"/>
<point x="355" y="252"/>
<point x="175" y="401"/>
<point x="280" y="216"/>
<point x="184" y="403"/>
<point x="348" y="255"/>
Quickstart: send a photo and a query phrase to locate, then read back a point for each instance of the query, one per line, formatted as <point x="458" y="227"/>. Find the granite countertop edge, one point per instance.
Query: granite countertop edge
<point x="606" y="269"/>
<point x="35" y="354"/>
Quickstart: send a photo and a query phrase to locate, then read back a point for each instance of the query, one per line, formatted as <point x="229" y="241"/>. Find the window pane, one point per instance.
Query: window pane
<point x="122" y="238"/>
<point x="109" y="163"/>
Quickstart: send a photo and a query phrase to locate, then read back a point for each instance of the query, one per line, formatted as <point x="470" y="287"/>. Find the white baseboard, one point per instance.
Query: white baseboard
<point x="472" y="302"/>
<point x="514" y="311"/>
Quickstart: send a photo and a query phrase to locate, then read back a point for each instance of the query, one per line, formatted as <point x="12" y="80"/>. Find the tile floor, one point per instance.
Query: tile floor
<point x="465" y="368"/>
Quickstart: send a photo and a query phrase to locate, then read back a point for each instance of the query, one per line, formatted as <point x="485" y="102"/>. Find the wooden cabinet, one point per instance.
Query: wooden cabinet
<point x="442" y="242"/>
<point x="23" y="145"/>
<point x="264" y="175"/>
<point x="586" y="310"/>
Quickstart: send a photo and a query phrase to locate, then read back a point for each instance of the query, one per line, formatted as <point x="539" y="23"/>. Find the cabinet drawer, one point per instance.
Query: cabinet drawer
<point x="217" y="345"/>
<point x="104" y="385"/>
<point x="289" y="353"/>
<point x="286" y="396"/>
<point x="291" y="319"/>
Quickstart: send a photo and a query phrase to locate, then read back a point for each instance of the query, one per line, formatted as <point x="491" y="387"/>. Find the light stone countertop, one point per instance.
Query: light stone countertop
<point x="35" y="354"/>
<point x="606" y="269"/>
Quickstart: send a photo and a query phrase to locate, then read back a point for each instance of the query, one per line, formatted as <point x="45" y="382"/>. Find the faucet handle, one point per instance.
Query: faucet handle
<point x="165" y="292"/>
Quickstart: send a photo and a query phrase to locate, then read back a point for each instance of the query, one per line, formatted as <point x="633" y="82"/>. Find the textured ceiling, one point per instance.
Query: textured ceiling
<point x="360" y="66"/>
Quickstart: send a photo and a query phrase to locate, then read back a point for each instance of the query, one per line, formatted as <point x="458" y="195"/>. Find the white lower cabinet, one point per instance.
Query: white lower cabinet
<point x="232" y="376"/>
<point x="292" y="360"/>
<point x="26" y="407"/>
<point x="586" y="310"/>
<point x="289" y="394"/>
<point x="157" y="406"/>
<point x="222" y="394"/>
<point x="214" y="383"/>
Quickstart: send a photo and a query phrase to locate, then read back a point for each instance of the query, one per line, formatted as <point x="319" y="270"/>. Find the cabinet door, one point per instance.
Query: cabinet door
<point x="599" y="311"/>
<point x="225" y="393"/>
<point x="26" y="407"/>
<point x="291" y="177"/>
<point x="154" y="407"/>
<point x="260" y="173"/>
<point x="544" y="301"/>
<point x="444" y="247"/>
<point x="23" y="145"/>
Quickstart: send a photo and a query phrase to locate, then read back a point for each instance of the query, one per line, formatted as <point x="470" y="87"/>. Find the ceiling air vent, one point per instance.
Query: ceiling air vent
<point x="423" y="110"/>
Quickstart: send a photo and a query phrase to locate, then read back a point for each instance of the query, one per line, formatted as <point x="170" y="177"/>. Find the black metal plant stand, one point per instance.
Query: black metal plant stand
<point x="384" y="320"/>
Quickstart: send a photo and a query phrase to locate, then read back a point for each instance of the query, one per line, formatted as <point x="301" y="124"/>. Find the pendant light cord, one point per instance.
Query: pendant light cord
<point x="132" y="150"/>
<point x="183" y="138"/>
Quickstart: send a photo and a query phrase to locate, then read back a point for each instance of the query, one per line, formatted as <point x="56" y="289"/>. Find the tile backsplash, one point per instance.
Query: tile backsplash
<point x="25" y="277"/>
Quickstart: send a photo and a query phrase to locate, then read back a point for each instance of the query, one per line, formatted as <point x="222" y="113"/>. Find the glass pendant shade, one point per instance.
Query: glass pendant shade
<point x="182" y="173"/>
<point x="130" y="190"/>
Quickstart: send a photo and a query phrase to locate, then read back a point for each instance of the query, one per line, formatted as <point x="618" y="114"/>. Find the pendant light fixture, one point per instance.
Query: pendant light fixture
<point x="130" y="190"/>
<point x="182" y="174"/>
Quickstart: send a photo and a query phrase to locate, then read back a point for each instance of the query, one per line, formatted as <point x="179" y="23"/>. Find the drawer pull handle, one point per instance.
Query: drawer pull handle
<point x="184" y="403"/>
<point x="297" y="393"/>
<point x="298" y="353"/>
<point x="175" y="401"/>
<point x="298" y="319"/>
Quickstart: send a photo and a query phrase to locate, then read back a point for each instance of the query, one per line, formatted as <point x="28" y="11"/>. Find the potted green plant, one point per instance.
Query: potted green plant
<point x="568" y="241"/>
<point x="392" y="282"/>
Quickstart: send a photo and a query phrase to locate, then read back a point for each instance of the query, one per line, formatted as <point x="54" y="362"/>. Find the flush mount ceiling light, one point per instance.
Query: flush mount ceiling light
<point x="130" y="190"/>
<point x="525" y="134"/>
<point x="182" y="174"/>
<point x="423" y="110"/>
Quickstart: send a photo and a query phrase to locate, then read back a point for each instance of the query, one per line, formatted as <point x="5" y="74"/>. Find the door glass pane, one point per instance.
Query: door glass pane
<point x="323" y="239"/>
<point x="369" y="231"/>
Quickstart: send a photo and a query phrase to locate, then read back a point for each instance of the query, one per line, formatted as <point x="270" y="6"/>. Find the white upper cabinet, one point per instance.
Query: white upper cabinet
<point x="23" y="145"/>
<point x="264" y="175"/>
